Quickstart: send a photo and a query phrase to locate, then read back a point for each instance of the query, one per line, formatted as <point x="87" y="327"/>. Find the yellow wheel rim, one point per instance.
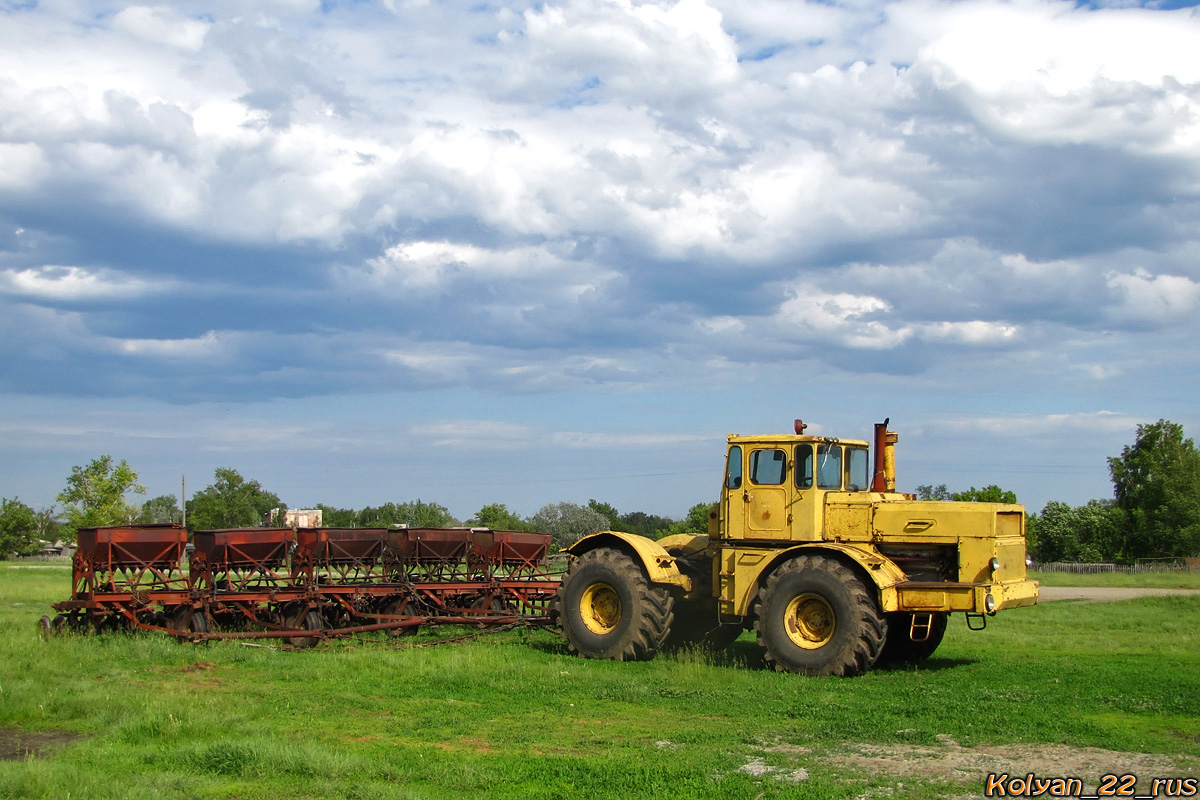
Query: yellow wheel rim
<point x="600" y="608"/>
<point x="809" y="621"/>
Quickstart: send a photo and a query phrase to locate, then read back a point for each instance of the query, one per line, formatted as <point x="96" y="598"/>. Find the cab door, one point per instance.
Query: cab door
<point x="765" y="494"/>
<point x="732" y="511"/>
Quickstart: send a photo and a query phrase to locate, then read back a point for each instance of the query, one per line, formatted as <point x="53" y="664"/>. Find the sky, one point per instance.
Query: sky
<point x="378" y="251"/>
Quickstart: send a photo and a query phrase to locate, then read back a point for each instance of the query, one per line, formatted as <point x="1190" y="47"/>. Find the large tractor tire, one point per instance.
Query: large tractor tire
<point x="817" y="618"/>
<point x="900" y="647"/>
<point x="609" y="609"/>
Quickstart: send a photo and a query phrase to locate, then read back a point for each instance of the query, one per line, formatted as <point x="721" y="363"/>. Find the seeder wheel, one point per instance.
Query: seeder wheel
<point x="305" y="620"/>
<point x="189" y="620"/>
<point x="402" y="608"/>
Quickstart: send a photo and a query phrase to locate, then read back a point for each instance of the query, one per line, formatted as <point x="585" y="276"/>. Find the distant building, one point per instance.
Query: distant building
<point x="295" y="517"/>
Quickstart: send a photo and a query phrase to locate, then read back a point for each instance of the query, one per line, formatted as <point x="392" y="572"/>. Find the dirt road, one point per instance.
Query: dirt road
<point x="1106" y="594"/>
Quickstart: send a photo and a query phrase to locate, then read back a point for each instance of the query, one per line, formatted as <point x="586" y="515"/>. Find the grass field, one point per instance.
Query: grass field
<point x="1062" y="689"/>
<point x="1160" y="580"/>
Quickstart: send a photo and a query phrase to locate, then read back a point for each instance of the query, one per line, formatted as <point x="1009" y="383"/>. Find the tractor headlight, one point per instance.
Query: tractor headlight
<point x="989" y="603"/>
<point x="994" y="564"/>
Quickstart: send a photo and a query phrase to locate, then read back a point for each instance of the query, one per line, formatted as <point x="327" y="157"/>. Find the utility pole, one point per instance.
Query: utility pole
<point x="183" y="500"/>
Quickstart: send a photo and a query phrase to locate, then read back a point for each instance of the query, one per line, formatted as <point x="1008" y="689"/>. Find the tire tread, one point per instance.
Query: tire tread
<point x="651" y="624"/>
<point x="861" y="653"/>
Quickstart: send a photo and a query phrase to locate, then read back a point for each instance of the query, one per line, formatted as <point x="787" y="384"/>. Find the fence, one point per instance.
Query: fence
<point x="1162" y="565"/>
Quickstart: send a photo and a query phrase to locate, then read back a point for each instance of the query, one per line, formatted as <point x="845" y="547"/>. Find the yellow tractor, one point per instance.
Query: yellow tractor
<point x="811" y="547"/>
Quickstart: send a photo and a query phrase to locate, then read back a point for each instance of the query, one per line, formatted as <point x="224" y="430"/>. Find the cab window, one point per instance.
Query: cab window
<point x="856" y="469"/>
<point x="767" y="467"/>
<point x="829" y="466"/>
<point x="733" y="470"/>
<point x="804" y="466"/>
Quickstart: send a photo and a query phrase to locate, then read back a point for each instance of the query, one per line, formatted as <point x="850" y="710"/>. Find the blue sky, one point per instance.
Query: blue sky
<point x="530" y="252"/>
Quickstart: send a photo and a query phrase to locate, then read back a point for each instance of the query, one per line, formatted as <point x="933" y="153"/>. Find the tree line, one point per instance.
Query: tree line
<point x="1154" y="512"/>
<point x="99" y="494"/>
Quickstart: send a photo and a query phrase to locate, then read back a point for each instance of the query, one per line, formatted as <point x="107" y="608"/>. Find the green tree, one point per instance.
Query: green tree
<point x="988" y="494"/>
<point x="95" y="495"/>
<point x="1156" y="482"/>
<point x="1088" y="533"/>
<point x="497" y="517"/>
<point x="929" y="492"/>
<point x="609" y="512"/>
<point x="696" y="520"/>
<point x="164" y="508"/>
<point x="49" y="526"/>
<point x="337" y="517"/>
<point x="651" y="526"/>
<point x="18" y="529"/>
<point x="230" y="502"/>
<point x="414" y="514"/>
<point x="567" y="522"/>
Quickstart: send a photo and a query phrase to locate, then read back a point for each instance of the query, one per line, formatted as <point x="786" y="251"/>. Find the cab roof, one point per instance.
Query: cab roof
<point x="791" y="438"/>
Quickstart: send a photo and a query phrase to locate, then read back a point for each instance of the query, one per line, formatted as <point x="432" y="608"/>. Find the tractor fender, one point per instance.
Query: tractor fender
<point x="659" y="564"/>
<point x="871" y="566"/>
<point x="685" y="544"/>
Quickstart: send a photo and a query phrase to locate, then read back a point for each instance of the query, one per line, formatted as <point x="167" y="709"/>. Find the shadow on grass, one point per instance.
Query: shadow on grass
<point x="748" y="655"/>
<point x="934" y="664"/>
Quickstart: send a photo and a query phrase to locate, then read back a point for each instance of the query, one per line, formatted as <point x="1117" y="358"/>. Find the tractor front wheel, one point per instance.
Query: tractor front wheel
<point x="609" y="609"/>
<point x="817" y="618"/>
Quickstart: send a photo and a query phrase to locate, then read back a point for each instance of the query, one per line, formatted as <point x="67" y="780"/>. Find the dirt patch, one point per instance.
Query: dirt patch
<point x="17" y="745"/>
<point x="474" y="745"/>
<point x="1106" y="594"/>
<point x="950" y="761"/>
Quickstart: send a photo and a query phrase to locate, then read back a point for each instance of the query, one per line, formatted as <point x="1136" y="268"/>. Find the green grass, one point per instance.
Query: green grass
<point x="513" y="715"/>
<point x="1158" y="580"/>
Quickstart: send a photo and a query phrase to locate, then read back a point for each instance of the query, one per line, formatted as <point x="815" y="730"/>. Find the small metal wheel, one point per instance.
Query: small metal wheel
<point x="493" y="608"/>
<point x="307" y="620"/>
<point x="45" y="628"/>
<point x="401" y="607"/>
<point x="189" y="620"/>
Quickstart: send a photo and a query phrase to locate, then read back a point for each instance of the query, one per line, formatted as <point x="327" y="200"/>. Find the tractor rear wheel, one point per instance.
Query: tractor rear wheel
<point x="818" y="618"/>
<point x="900" y="647"/>
<point x="609" y="609"/>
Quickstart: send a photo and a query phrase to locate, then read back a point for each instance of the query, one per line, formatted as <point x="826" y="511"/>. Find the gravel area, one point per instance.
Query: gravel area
<point x="1105" y="594"/>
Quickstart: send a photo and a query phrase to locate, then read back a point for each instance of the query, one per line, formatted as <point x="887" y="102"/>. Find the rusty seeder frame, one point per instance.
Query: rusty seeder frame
<point x="304" y="585"/>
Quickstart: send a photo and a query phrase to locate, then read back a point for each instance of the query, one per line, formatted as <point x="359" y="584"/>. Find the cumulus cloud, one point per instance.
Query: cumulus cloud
<point x="1154" y="299"/>
<point x="59" y="283"/>
<point x="843" y="318"/>
<point x="162" y="25"/>
<point x="581" y="198"/>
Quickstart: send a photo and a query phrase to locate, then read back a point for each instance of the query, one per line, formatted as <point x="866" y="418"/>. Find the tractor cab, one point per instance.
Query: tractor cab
<point x="776" y="486"/>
